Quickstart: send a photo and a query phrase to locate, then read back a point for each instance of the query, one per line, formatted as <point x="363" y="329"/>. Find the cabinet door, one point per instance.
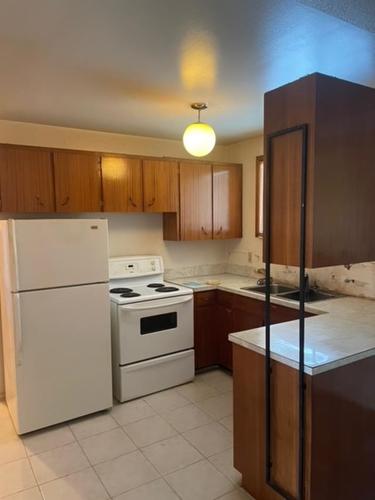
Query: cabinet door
<point x="224" y="326"/>
<point x="122" y="184"/>
<point x="195" y="201"/>
<point x="285" y="170"/>
<point x="77" y="182"/>
<point x="227" y="201"/>
<point x="26" y="180"/>
<point x="160" y="186"/>
<point x="206" y="341"/>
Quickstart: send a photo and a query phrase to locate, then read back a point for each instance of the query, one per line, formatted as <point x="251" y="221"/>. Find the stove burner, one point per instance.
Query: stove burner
<point x="121" y="290"/>
<point x="155" y="285"/>
<point x="130" y="294"/>
<point x="166" y="289"/>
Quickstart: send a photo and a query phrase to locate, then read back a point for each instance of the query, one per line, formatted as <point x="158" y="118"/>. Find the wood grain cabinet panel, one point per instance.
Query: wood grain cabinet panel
<point x="206" y="341"/>
<point x="339" y="464"/>
<point x="340" y="119"/>
<point x="122" y="184"/>
<point x="160" y="186"/>
<point x="195" y="201"/>
<point x="26" y="180"/>
<point x="227" y="201"/>
<point x="77" y="182"/>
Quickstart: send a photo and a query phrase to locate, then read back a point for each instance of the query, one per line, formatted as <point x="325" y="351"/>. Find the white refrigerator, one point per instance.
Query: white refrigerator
<point x="55" y="315"/>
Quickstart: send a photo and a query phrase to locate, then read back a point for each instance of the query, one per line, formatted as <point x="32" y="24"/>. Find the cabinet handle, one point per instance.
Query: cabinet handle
<point x="65" y="202"/>
<point x="151" y="202"/>
<point x="204" y="231"/>
<point x="39" y="201"/>
<point x="132" y="202"/>
<point x="220" y="230"/>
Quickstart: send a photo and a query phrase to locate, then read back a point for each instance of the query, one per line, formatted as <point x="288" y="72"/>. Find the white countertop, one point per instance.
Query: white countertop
<point x="342" y="332"/>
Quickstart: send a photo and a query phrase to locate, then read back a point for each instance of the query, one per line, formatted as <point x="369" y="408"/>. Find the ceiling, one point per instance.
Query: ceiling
<point x="133" y="66"/>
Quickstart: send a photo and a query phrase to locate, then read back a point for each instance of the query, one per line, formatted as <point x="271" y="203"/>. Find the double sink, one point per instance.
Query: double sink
<point x="291" y="293"/>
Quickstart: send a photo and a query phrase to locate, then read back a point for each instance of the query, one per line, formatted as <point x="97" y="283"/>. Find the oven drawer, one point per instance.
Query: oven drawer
<point x="146" y="377"/>
<point x="155" y="328"/>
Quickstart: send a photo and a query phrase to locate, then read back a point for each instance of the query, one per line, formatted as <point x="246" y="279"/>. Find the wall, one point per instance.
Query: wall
<point x="130" y="233"/>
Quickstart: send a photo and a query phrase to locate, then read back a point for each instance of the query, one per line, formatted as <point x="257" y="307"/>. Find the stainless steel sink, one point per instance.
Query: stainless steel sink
<point x="311" y="296"/>
<point x="276" y="288"/>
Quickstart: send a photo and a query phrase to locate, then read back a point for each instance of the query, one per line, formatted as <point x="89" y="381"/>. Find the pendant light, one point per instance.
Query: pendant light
<point x="199" y="138"/>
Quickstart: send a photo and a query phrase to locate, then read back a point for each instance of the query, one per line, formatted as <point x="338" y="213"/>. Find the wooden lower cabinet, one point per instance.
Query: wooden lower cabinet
<point x="205" y="336"/>
<point x="218" y="313"/>
<point x="340" y="429"/>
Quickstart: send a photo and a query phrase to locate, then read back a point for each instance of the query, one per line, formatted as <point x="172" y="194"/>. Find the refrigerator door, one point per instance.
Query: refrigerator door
<point x="62" y="357"/>
<point x="57" y="252"/>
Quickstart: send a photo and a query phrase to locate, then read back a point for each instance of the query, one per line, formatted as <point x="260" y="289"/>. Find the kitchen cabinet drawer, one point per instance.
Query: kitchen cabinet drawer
<point x="225" y="298"/>
<point x="205" y="298"/>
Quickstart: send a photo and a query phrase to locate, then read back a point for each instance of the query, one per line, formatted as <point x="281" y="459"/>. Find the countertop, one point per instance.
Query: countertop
<point x="343" y="330"/>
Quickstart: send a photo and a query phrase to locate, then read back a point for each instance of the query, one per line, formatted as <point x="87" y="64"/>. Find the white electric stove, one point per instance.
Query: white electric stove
<point x="152" y="328"/>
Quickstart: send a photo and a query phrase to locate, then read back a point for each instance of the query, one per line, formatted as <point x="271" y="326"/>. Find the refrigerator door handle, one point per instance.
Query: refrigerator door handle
<point x="18" y="338"/>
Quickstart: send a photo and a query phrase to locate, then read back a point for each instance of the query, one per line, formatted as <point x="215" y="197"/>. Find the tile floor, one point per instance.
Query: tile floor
<point x="176" y="444"/>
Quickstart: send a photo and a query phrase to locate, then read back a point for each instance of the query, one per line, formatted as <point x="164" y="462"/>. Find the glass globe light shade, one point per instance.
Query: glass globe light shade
<point x="199" y="139"/>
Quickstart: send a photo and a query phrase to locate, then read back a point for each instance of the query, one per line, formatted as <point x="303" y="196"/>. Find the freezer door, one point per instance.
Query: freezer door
<point x="57" y="252"/>
<point x="63" y="355"/>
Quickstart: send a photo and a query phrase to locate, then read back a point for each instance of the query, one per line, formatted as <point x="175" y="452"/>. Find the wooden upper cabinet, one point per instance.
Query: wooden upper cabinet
<point x="195" y="201"/>
<point x="122" y="184"/>
<point x="160" y="186"/>
<point x="77" y="181"/>
<point x="227" y="201"/>
<point x="26" y="180"/>
<point x="340" y="119"/>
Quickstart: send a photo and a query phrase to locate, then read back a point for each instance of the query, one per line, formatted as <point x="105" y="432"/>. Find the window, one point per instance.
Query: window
<point x="259" y="196"/>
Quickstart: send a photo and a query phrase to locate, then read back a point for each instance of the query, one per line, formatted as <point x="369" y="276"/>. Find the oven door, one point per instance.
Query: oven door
<point x="155" y="328"/>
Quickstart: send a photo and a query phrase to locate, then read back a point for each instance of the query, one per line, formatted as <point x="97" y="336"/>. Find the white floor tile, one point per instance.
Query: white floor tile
<point x="58" y="462"/>
<point x="227" y="422"/>
<point x="132" y="411"/>
<point x="11" y="448"/>
<point x="31" y="494"/>
<point x="15" y="476"/>
<point x="238" y="494"/>
<point x="47" y="439"/>
<point x="126" y="472"/>
<point x="166" y="400"/>
<point x="223" y="461"/>
<point x="218" y="407"/>
<point x="107" y="445"/>
<point x="149" y="430"/>
<point x="218" y="379"/>
<point x="83" y="485"/>
<point x="200" y="481"/>
<point x="210" y="439"/>
<point x="197" y="391"/>
<point x="186" y="418"/>
<point x="156" y="490"/>
<point x="171" y="454"/>
<point x="93" y="424"/>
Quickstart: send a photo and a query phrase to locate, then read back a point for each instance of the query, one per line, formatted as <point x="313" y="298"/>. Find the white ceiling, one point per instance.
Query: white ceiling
<point x="133" y="66"/>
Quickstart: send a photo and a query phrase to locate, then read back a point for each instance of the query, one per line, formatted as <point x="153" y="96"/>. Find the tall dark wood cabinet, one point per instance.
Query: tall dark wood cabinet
<point x="340" y="119"/>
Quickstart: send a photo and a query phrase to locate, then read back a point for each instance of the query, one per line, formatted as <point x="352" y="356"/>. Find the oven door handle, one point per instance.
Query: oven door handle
<point x="164" y="303"/>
